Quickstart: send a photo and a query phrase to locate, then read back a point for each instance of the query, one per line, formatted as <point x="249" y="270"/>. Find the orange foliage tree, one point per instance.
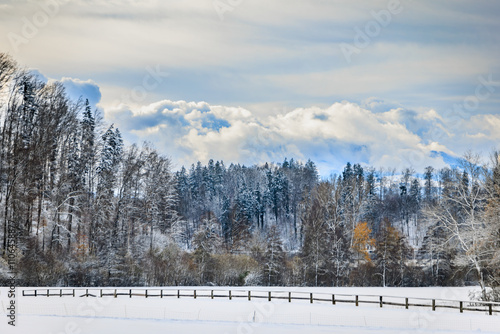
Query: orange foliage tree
<point x="361" y="240"/>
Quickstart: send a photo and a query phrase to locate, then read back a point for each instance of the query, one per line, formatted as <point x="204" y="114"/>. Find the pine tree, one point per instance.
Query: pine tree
<point x="315" y="247"/>
<point x="437" y="255"/>
<point x="207" y="242"/>
<point x="103" y="233"/>
<point x="391" y="254"/>
<point x="88" y="147"/>
<point x="429" y="188"/>
<point x="274" y="258"/>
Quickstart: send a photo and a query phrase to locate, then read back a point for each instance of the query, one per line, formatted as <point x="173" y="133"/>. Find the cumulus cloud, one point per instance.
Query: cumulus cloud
<point x="379" y="105"/>
<point x="266" y="54"/>
<point x="77" y="88"/>
<point x="331" y="136"/>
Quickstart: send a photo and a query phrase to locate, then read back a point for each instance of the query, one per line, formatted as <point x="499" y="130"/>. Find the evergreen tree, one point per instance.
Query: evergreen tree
<point x="438" y="254"/>
<point x="429" y="188"/>
<point x="88" y="147"/>
<point x="315" y="241"/>
<point x="391" y="255"/>
<point x="274" y="258"/>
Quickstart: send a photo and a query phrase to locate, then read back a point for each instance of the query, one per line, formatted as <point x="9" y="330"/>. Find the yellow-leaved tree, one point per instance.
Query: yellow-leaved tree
<point x="362" y="241"/>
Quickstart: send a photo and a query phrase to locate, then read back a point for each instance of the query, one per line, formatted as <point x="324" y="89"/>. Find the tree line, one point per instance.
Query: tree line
<point x="90" y="211"/>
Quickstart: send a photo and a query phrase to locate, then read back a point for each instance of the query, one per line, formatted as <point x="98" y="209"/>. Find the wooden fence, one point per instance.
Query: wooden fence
<point x="406" y="302"/>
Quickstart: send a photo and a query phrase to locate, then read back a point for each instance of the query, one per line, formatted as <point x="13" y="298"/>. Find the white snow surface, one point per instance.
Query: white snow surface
<point x="124" y="315"/>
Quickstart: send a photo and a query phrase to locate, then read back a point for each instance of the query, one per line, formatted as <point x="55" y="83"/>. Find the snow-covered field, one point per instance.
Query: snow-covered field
<point x="124" y="315"/>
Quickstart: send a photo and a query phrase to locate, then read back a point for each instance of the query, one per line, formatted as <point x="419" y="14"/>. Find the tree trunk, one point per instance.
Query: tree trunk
<point x="70" y="220"/>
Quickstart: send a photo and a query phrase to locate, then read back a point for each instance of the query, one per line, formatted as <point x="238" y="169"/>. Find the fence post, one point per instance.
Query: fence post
<point x="146" y="294"/>
<point x="249" y="296"/>
<point x="47" y="292"/>
<point x="116" y="295"/>
<point x="357" y="301"/>
<point x="101" y="293"/>
<point x="230" y="297"/>
<point x="73" y="292"/>
<point x="433" y="304"/>
<point x="406" y="303"/>
<point x="269" y="295"/>
<point x="490" y="310"/>
<point x="311" y="298"/>
<point x="333" y="299"/>
<point x="381" y="302"/>
<point x="60" y="293"/>
<point x="289" y="296"/>
<point x="87" y="292"/>
<point x="194" y="295"/>
<point x="178" y="293"/>
<point x="212" y="294"/>
<point x="130" y="293"/>
<point x="461" y="307"/>
<point x="35" y="292"/>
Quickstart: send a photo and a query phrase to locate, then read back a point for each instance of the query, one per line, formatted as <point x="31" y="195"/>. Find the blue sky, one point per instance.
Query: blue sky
<point x="384" y="83"/>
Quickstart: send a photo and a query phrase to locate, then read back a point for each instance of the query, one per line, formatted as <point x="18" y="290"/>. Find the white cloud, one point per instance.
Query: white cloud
<point x="268" y="55"/>
<point x="331" y="136"/>
<point x="85" y="89"/>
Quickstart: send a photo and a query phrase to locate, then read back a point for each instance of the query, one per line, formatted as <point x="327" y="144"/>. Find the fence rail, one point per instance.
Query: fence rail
<point x="406" y="302"/>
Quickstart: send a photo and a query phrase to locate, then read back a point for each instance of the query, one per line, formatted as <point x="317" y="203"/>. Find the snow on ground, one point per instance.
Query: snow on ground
<point x="55" y="315"/>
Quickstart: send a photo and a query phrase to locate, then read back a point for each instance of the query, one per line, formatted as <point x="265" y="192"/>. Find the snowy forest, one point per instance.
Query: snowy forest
<point x="89" y="211"/>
